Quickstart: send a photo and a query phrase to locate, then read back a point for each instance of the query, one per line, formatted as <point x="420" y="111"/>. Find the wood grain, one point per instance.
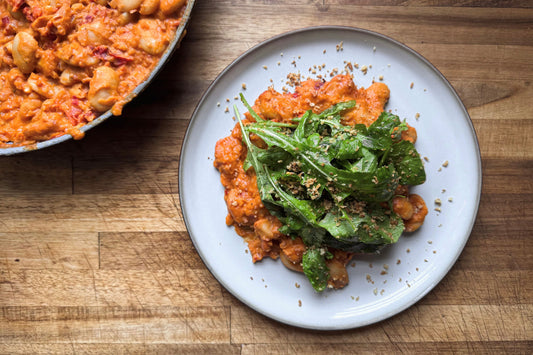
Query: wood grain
<point x="95" y="257"/>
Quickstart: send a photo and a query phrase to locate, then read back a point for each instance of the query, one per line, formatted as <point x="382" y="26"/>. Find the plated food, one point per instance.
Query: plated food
<point x="316" y="175"/>
<point x="63" y="63"/>
<point x="380" y="286"/>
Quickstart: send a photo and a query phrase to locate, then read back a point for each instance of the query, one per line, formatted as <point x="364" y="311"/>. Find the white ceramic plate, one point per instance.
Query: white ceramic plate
<point x="380" y="286"/>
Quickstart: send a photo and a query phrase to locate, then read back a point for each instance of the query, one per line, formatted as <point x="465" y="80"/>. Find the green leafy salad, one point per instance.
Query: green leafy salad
<point x="332" y="184"/>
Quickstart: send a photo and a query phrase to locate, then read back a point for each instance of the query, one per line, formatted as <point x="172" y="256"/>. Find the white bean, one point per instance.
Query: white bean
<point x="93" y="34"/>
<point x="70" y="76"/>
<point x="126" y="17"/>
<point x="40" y="85"/>
<point x="170" y="6"/>
<point x="289" y="264"/>
<point x="148" y="7"/>
<point x="338" y="276"/>
<point x="23" y="50"/>
<point x="102" y="88"/>
<point x="126" y="5"/>
<point x="150" y="39"/>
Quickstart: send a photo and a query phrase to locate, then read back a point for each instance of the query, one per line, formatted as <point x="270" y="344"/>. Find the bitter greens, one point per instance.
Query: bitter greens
<point x="328" y="183"/>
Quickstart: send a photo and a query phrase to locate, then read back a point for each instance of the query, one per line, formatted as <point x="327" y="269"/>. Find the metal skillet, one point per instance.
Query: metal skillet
<point x="174" y="44"/>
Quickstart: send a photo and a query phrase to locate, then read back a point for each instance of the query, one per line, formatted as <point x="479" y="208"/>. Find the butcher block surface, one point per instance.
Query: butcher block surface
<point x="95" y="256"/>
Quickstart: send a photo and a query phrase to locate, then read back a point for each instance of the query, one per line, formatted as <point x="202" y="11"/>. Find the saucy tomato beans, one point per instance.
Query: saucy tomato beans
<point x="246" y="212"/>
<point x="64" y="62"/>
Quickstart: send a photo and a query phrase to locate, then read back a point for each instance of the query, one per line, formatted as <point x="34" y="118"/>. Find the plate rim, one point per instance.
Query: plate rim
<point x="434" y="69"/>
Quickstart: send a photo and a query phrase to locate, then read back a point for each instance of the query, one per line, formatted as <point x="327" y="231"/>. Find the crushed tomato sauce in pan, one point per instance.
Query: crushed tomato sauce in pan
<point x="246" y="212"/>
<point x="64" y="62"/>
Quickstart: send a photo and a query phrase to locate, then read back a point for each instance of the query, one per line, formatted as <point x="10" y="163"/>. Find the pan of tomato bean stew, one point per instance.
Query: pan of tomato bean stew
<point x="68" y="65"/>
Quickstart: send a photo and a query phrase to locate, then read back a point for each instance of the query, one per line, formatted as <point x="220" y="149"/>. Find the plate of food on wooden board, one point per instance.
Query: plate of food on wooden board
<point x="352" y="191"/>
<point x="66" y="66"/>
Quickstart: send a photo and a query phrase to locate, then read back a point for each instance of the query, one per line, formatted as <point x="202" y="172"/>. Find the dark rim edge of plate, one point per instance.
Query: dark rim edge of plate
<point x="422" y="292"/>
<point x="165" y="58"/>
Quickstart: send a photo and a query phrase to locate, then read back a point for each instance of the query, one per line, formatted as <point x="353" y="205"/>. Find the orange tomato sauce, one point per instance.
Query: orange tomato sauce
<point x="64" y="62"/>
<point x="246" y="212"/>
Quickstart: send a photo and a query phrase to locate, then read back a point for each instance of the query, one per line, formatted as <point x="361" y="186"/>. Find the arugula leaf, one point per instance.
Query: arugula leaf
<point x="408" y="163"/>
<point x="315" y="268"/>
<point x="294" y="206"/>
<point x="250" y="110"/>
<point x="252" y="161"/>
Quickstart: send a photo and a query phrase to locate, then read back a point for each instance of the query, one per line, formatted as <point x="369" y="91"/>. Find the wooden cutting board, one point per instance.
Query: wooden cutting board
<point x="95" y="257"/>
